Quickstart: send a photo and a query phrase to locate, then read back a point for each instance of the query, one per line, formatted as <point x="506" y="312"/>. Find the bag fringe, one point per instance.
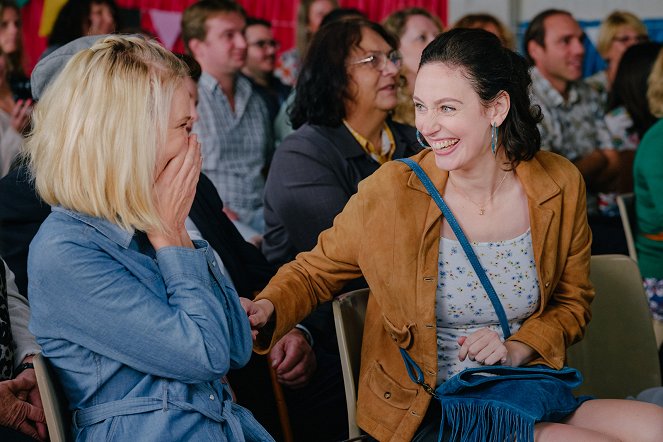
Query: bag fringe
<point x="478" y="420"/>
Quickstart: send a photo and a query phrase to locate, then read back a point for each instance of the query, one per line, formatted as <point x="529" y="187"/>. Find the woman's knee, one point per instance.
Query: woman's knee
<point x="554" y="432"/>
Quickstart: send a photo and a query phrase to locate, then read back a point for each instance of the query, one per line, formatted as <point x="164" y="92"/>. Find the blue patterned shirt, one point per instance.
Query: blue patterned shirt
<point x="573" y="127"/>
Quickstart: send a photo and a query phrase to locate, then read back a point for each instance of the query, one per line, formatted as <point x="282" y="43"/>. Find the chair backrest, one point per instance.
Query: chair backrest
<point x="626" y="204"/>
<point x="52" y="399"/>
<point x="618" y="356"/>
<point x="349" y="313"/>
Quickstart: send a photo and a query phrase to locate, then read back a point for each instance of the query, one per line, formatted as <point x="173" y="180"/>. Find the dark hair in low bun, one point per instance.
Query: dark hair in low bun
<point x="491" y="69"/>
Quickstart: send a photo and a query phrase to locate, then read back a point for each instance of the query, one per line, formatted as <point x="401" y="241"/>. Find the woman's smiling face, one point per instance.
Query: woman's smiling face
<point x="451" y="116"/>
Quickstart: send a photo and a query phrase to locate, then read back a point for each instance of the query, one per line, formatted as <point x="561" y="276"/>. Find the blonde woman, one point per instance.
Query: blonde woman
<point x="414" y="28"/>
<point x="135" y="317"/>
<point x="619" y="31"/>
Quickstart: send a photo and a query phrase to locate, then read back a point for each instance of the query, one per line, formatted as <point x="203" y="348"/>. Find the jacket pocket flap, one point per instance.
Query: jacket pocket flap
<point x="387" y="389"/>
<point x="401" y="336"/>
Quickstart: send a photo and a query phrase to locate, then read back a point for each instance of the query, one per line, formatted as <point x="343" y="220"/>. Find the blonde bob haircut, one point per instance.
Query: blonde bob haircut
<point x="97" y="129"/>
<point x="611" y="26"/>
<point x="655" y="87"/>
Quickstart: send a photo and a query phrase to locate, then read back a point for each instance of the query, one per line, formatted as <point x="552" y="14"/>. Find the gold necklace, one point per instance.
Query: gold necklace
<point x="482" y="206"/>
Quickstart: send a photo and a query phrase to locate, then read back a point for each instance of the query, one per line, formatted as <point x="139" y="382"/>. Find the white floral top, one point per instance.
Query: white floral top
<point x="463" y="306"/>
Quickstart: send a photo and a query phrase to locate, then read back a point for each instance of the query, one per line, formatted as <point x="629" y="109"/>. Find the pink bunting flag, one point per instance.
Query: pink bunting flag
<point x="167" y="26"/>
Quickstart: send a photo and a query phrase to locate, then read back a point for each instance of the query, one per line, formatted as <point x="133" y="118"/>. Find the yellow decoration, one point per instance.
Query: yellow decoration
<point x="51" y="11"/>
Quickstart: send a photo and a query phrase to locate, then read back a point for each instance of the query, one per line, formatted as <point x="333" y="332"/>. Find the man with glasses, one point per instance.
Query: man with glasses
<point x="573" y="118"/>
<point x="260" y="64"/>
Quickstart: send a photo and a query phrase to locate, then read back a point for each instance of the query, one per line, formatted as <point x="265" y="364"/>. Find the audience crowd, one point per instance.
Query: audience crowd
<point x="158" y="212"/>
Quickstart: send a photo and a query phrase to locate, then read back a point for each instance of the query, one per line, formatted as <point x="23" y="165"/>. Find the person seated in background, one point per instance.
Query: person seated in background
<point x="282" y="124"/>
<point x="11" y="43"/>
<point x="629" y="117"/>
<point x="21" y="412"/>
<point x="522" y="210"/>
<point x="573" y="122"/>
<point x="489" y="23"/>
<point x="14" y="119"/>
<point x="233" y="124"/>
<point x="619" y="31"/>
<point x="414" y="28"/>
<point x="79" y="18"/>
<point x="648" y="189"/>
<point x="114" y="276"/>
<point x="260" y="62"/>
<point x="346" y="90"/>
<point x="310" y="14"/>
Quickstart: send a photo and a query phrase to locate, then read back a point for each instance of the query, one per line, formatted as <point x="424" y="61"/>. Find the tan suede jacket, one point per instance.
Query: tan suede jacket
<point x="389" y="232"/>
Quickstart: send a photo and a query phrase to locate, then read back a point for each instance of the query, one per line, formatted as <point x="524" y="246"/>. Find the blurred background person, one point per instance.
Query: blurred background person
<point x="344" y="95"/>
<point x="414" y="28"/>
<point x="14" y="118"/>
<point x="619" y="31"/>
<point x="629" y="116"/>
<point x="11" y="43"/>
<point x="260" y="63"/>
<point x="282" y="124"/>
<point x="78" y="18"/>
<point x="309" y="17"/>
<point x="648" y="189"/>
<point x="489" y="23"/>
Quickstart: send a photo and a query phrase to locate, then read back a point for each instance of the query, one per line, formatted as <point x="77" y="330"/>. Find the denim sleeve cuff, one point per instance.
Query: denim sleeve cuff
<point x="182" y="261"/>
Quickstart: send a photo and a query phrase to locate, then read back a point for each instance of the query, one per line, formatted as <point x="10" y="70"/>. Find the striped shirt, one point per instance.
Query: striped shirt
<point x="236" y="145"/>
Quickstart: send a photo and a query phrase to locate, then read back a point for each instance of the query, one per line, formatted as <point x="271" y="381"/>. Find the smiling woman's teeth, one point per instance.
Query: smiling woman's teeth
<point x="444" y="144"/>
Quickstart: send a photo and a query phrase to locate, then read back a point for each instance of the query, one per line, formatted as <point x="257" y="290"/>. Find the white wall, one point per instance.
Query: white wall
<point x="513" y="12"/>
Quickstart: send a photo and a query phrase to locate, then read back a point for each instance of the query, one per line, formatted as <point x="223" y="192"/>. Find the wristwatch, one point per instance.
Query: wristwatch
<point x="23" y="366"/>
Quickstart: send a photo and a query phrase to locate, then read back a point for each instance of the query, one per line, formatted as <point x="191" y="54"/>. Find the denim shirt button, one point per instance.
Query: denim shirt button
<point x="211" y="397"/>
<point x="213" y="263"/>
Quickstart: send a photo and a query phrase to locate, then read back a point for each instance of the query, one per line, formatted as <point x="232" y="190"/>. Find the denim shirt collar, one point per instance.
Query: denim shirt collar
<point x="110" y="230"/>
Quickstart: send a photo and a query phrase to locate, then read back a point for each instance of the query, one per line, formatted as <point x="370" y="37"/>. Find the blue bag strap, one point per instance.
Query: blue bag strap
<point x="458" y="231"/>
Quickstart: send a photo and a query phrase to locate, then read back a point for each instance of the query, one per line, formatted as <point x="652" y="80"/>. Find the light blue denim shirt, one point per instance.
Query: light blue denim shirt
<point x="139" y="339"/>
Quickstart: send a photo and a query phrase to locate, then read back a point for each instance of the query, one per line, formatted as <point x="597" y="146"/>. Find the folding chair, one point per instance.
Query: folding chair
<point x="52" y="399"/>
<point x="618" y="356"/>
<point x="349" y="313"/>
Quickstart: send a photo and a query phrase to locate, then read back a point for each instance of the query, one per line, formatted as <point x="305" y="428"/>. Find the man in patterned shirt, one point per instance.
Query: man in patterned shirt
<point x="233" y="125"/>
<point x="573" y="120"/>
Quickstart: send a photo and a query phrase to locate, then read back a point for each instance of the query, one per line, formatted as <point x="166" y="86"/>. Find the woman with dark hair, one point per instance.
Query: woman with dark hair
<point x="11" y="44"/>
<point x="520" y="209"/>
<point x="78" y="18"/>
<point x="629" y="116"/>
<point x="345" y="92"/>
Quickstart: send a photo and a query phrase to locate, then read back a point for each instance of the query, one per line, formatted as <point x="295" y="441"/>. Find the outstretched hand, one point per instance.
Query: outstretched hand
<point x="258" y="312"/>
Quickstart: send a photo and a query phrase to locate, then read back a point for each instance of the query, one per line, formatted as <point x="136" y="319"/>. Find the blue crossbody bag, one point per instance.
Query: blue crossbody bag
<point x="495" y="403"/>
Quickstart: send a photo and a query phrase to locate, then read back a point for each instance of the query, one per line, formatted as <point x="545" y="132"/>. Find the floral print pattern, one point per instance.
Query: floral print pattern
<point x="463" y="306"/>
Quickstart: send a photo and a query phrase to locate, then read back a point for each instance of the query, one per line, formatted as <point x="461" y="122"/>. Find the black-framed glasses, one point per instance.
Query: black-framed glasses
<point x="378" y="60"/>
<point x="631" y="38"/>
<point x="264" y="44"/>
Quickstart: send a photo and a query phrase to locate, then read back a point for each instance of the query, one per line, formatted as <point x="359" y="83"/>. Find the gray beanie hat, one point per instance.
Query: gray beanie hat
<point x="50" y="66"/>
